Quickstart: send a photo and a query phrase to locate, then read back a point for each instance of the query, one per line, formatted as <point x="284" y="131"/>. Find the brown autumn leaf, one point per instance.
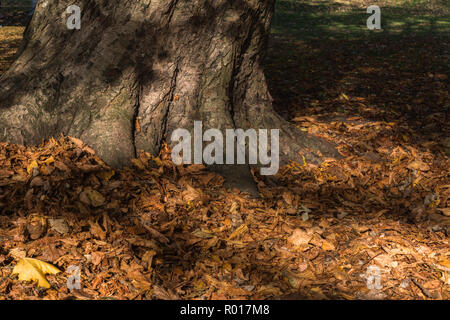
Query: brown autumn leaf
<point x="92" y="197"/>
<point x="191" y="194"/>
<point x="418" y="165"/>
<point x="97" y="257"/>
<point x="299" y="238"/>
<point x="444" y="211"/>
<point x="36" y="226"/>
<point x="328" y="246"/>
<point x="97" y="231"/>
<point x="59" y="225"/>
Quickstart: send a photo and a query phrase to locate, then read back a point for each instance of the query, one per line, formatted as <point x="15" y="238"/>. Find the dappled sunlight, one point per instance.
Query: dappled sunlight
<point x="160" y="231"/>
<point x="10" y="39"/>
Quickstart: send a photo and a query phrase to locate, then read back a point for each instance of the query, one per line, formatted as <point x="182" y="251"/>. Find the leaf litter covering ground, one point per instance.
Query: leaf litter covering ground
<point x="156" y="231"/>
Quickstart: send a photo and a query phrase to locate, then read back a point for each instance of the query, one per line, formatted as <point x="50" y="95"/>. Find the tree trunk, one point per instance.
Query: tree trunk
<point x="138" y="70"/>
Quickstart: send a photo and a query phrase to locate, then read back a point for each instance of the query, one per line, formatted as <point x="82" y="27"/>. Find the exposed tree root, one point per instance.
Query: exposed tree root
<point x="137" y="73"/>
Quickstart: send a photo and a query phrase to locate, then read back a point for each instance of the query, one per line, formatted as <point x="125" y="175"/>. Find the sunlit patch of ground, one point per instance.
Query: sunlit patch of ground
<point x="10" y="38"/>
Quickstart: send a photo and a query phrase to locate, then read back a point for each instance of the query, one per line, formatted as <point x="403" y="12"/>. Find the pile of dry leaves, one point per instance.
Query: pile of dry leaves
<point x="372" y="225"/>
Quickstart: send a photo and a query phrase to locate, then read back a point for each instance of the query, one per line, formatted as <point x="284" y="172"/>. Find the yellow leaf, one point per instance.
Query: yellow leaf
<point x="304" y="161"/>
<point x="49" y="160"/>
<point x="344" y="96"/>
<point x="30" y="269"/>
<point x="32" y="165"/>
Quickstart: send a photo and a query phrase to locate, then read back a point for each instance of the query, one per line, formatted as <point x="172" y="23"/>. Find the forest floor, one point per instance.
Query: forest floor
<point x="372" y="225"/>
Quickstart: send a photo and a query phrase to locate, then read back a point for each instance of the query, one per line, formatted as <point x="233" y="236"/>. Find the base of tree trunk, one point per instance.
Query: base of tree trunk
<point x="136" y="72"/>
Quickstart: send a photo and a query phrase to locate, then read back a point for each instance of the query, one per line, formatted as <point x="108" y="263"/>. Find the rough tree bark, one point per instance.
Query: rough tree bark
<point x="157" y="63"/>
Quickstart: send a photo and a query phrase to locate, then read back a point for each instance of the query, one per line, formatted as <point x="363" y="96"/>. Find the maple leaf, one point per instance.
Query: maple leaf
<point x="30" y="269"/>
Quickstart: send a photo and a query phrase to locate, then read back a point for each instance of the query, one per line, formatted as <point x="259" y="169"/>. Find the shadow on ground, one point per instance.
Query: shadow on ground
<point x="323" y="61"/>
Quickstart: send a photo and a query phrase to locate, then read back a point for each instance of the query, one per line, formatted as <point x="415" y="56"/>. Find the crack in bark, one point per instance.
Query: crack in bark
<point x="171" y="95"/>
<point x="231" y="89"/>
<point x="171" y="10"/>
<point x="135" y="118"/>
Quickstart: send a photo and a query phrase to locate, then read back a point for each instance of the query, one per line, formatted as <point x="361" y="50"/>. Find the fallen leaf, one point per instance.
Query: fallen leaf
<point x="191" y="194"/>
<point x="32" y="165"/>
<point x="106" y="175"/>
<point x="36" y="226"/>
<point x="445" y="211"/>
<point x="240" y="230"/>
<point x="49" y="160"/>
<point x="77" y="142"/>
<point x="59" y="225"/>
<point x="18" y="253"/>
<point x="95" y="197"/>
<point x="328" y="246"/>
<point x="445" y="263"/>
<point x="30" y="269"/>
<point x="148" y="258"/>
<point x="97" y="231"/>
<point x="299" y="238"/>
<point x="418" y="165"/>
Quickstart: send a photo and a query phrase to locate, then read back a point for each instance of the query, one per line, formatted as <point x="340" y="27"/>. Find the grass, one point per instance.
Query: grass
<point x="10" y="38"/>
<point x="320" y="50"/>
<point x="318" y="19"/>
